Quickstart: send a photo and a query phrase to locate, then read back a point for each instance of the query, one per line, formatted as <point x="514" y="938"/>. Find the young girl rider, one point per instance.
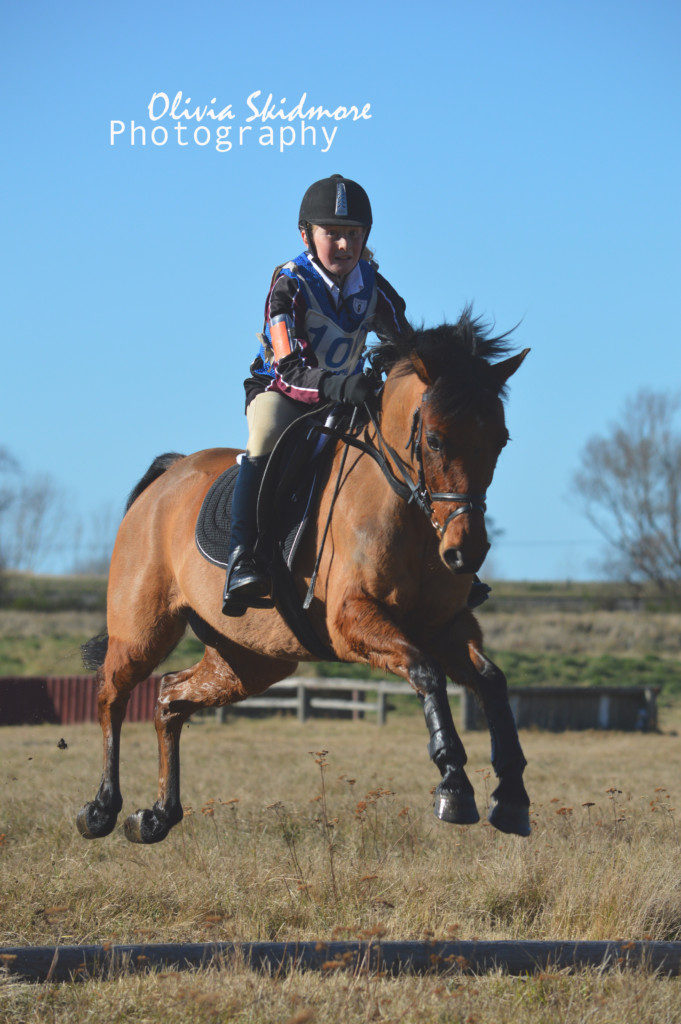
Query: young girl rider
<point x="319" y="309"/>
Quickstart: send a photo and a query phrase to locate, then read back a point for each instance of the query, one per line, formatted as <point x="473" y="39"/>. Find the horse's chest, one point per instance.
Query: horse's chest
<point x="419" y="590"/>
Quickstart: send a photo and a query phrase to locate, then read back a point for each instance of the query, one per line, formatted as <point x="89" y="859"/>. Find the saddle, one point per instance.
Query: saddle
<point x="289" y="495"/>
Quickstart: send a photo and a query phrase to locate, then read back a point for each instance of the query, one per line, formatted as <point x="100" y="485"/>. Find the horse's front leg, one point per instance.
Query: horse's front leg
<point x="460" y="648"/>
<point x="365" y="628"/>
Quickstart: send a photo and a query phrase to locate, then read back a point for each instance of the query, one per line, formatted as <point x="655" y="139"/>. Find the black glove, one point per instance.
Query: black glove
<point x="353" y="390"/>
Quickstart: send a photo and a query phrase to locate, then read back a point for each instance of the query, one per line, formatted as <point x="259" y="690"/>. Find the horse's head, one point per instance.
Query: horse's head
<point x="445" y="393"/>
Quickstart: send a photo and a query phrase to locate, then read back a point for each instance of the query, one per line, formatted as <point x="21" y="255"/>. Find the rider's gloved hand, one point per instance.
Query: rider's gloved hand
<point x="354" y="390"/>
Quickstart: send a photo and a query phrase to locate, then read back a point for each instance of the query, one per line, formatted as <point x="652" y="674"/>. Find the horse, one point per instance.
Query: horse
<point x="391" y="591"/>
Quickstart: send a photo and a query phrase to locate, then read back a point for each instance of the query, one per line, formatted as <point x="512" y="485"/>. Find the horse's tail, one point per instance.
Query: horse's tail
<point x="160" y="464"/>
<point x="93" y="651"/>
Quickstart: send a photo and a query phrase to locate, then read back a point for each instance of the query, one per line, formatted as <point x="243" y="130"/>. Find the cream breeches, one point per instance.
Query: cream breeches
<point x="268" y="415"/>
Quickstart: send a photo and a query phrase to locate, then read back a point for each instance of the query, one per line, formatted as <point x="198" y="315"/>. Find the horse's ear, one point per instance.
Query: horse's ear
<point x="502" y="371"/>
<point x="420" y="368"/>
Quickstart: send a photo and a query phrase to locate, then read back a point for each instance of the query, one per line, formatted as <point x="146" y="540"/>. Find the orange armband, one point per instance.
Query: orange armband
<point x="280" y="333"/>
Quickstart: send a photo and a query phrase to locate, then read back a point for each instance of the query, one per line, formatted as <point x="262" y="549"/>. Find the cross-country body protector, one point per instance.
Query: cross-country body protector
<point x="336" y="336"/>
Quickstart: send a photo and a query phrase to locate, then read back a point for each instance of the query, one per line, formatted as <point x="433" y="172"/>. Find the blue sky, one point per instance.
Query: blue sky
<point x="523" y="156"/>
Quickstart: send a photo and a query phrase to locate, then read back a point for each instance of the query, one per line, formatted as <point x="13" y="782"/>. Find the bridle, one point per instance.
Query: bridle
<point x="406" y="488"/>
<point x="419" y="492"/>
<point x="410" y="491"/>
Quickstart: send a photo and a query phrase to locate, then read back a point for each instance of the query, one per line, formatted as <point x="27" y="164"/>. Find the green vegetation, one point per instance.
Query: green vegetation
<point x="26" y="592"/>
<point x="53" y="647"/>
<point x="539" y="633"/>
<point x="537" y="669"/>
<point x="558" y="595"/>
<point x="57" y="652"/>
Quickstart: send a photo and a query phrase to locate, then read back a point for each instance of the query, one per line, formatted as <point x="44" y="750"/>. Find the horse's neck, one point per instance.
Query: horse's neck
<point x="395" y="424"/>
<point x="401" y="398"/>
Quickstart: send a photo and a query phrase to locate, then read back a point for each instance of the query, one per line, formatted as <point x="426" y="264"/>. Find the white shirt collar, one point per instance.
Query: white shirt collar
<point x="353" y="283"/>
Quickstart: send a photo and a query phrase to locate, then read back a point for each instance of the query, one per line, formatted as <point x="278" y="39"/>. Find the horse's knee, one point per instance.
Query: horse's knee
<point x="428" y="678"/>
<point x="489" y="677"/>
<point x="112" y="703"/>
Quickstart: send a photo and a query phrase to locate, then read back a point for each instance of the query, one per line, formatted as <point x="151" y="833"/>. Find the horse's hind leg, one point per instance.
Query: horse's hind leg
<point x="212" y="682"/>
<point x="126" y="664"/>
<point x="462" y="654"/>
<point x="510" y="802"/>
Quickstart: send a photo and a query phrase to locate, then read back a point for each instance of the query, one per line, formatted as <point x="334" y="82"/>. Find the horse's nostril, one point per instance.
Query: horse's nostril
<point x="454" y="559"/>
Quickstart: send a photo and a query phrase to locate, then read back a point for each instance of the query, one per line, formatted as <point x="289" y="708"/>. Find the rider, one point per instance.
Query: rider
<point x="318" y="312"/>
<point x="319" y="309"/>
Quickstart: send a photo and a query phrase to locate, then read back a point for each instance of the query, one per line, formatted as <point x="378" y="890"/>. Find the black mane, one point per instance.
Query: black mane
<point x="457" y="358"/>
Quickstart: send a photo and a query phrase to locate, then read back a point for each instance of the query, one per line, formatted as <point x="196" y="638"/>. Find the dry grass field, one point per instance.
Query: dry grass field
<point x="267" y="851"/>
<point x="586" y="632"/>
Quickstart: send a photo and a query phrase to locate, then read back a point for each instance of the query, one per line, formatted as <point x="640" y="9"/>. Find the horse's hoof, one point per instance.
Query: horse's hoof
<point x="145" y="826"/>
<point x="458" y="808"/>
<point x="511" y="818"/>
<point x="94" y="821"/>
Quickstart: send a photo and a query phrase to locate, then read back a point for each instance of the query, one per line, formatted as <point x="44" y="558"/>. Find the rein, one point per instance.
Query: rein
<point x="410" y="491"/>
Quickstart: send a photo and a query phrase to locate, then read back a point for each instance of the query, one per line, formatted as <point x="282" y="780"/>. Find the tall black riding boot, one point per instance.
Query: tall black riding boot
<point x="246" y="581"/>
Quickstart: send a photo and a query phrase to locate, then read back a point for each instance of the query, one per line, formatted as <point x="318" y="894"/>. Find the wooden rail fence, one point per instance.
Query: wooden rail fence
<point x="67" y="700"/>
<point x="74" y="699"/>
<point x="307" y="696"/>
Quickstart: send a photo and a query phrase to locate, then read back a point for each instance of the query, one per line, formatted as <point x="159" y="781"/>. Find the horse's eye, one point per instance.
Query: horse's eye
<point x="434" y="442"/>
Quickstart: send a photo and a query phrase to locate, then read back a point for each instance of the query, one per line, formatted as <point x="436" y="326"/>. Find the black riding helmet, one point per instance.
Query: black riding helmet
<point x="335" y="200"/>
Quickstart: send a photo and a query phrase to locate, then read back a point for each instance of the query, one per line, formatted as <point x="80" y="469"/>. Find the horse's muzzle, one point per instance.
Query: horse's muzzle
<point x="459" y="561"/>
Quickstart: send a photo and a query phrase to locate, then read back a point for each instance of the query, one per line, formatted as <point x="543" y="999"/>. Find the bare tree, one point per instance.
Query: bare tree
<point x="32" y="515"/>
<point x="94" y="541"/>
<point x="8" y="468"/>
<point x="630" y="480"/>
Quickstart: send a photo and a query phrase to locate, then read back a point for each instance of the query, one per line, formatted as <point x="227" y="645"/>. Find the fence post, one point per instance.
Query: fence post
<point x="380" y="712"/>
<point x="303" y="702"/>
<point x="468" y="710"/>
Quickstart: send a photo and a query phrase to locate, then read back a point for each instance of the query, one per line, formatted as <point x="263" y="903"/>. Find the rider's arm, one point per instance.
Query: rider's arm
<point x="296" y="373"/>
<point x="390" y="320"/>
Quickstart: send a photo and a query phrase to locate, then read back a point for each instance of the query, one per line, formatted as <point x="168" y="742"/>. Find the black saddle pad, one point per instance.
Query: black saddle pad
<point x="289" y="494"/>
<point x="213" y="524"/>
<point x="286" y="501"/>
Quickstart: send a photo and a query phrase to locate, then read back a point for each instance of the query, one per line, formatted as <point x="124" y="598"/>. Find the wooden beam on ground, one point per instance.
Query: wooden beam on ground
<point x="67" y="963"/>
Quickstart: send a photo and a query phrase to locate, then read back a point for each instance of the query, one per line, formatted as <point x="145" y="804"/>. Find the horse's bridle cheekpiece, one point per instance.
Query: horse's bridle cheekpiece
<point x="421" y="495"/>
<point x="409" y="491"/>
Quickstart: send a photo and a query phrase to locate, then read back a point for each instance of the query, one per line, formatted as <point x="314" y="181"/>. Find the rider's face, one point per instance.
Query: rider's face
<point x="338" y="248"/>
